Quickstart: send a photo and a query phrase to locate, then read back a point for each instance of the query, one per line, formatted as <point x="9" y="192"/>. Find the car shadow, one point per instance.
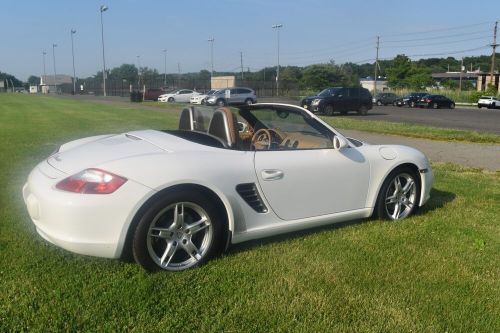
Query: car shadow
<point x="438" y="200"/>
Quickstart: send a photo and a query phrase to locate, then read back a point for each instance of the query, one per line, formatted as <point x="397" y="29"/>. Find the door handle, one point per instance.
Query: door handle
<point x="272" y="174"/>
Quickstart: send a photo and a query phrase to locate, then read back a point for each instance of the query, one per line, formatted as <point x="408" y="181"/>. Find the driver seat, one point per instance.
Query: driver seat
<point x="224" y="126"/>
<point x="191" y="120"/>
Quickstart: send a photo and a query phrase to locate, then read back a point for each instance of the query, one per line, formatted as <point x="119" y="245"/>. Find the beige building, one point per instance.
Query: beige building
<point x="484" y="79"/>
<point x="221" y="82"/>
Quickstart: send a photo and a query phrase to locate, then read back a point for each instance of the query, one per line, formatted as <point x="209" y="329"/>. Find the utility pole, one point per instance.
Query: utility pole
<point x="73" y="31"/>
<point x="44" y="72"/>
<point x="211" y="41"/>
<point x="278" y="27"/>
<point x="494" y="46"/>
<point x="461" y="70"/>
<point x="241" y="60"/>
<point x="179" y="71"/>
<point x="102" y="9"/>
<point x="54" y="58"/>
<point x="376" y="68"/>
<point x="139" y="72"/>
<point x="165" y="69"/>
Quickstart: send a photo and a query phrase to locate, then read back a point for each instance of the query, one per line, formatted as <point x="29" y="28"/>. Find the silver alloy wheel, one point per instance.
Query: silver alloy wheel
<point x="179" y="236"/>
<point x="400" y="196"/>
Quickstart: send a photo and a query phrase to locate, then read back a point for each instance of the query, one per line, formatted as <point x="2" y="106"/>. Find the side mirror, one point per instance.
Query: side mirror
<point x="339" y="143"/>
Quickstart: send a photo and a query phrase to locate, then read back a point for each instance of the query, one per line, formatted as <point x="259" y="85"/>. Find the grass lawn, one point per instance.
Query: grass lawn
<point x="438" y="271"/>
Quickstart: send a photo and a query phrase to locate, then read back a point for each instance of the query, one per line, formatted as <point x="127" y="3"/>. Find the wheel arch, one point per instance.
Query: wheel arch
<point x="409" y="165"/>
<point x="217" y="198"/>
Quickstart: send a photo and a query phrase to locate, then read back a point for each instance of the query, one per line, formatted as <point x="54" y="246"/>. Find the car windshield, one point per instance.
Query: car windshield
<point x="329" y="92"/>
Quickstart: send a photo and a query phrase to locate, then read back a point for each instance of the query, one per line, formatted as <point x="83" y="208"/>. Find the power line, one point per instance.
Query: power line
<point x="435" y="37"/>
<point x="441" y="29"/>
<point x="439" y="43"/>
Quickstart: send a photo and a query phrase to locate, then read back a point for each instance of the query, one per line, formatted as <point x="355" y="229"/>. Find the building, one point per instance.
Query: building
<point x="49" y="85"/>
<point x="483" y="80"/>
<point x="369" y="83"/>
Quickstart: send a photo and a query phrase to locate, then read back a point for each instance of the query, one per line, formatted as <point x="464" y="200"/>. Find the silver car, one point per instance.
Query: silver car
<point x="229" y="96"/>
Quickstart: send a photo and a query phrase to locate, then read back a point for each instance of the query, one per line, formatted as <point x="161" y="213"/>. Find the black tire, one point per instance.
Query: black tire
<point x="171" y="99"/>
<point x="435" y="105"/>
<point x="248" y="101"/>
<point x="328" y="110"/>
<point x="479" y="106"/>
<point x="381" y="211"/>
<point x="210" y="248"/>
<point x="220" y="102"/>
<point x="363" y="110"/>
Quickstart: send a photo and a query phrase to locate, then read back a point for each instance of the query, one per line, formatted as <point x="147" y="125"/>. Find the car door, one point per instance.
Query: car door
<point x="235" y="96"/>
<point x="306" y="183"/>
<point x="185" y="95"/>
<point x="339" y="99"/>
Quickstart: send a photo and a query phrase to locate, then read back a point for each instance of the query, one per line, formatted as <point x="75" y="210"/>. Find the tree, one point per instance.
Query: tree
<point x="34" y="80"/>
<point x="398" y="72"/>
<point x="125" y="72"/>
<point x="318" y="77"/>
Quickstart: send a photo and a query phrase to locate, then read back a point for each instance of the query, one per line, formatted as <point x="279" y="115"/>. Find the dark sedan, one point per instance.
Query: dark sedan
<point x="435" y="102"/>
<point x="411" y="99"/>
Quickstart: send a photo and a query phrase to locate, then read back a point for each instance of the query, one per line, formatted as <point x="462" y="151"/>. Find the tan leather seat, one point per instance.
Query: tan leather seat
<point x="224" y="126"/>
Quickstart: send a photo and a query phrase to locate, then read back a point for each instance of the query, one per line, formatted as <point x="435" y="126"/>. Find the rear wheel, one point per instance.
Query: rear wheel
<point x="435" y="105"/>
<point x="363" y="110"/>
<point x="329" y="110"/>
<point x="248" y="101"/>
<point x="452" y="105"/>
<point x="399" y="195"/>
<point x="221" y="102"/>
<point x="412" y="104"/>
<point x="180" y="230"/>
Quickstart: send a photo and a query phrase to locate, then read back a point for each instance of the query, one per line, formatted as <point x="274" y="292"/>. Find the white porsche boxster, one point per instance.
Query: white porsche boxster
<point x="176" y="198"/>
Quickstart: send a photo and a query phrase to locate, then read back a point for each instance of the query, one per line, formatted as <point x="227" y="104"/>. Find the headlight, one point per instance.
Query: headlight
<point x="316" y="102"/>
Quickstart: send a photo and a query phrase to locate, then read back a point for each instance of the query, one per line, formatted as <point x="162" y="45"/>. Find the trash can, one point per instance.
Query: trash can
<point x="136" y="96"/>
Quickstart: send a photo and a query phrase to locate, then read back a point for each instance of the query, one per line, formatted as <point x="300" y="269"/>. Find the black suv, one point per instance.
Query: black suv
<point x="339" y="99"/>
<point x="411" y="99"/>
<point x="385" y="98"/>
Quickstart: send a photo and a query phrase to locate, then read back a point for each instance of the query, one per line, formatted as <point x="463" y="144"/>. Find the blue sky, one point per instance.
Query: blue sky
<point x="314" y="31"/>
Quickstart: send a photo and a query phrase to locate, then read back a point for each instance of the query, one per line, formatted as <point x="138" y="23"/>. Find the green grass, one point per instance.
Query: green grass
<point x="412" y="130"/>
<point x="438" y="271"/>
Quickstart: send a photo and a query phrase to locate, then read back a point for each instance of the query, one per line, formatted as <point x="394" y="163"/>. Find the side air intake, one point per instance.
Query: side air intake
<point x="251" y="196"/>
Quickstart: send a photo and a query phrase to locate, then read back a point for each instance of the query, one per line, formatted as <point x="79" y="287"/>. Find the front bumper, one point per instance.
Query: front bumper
<point x="89" y="224"/>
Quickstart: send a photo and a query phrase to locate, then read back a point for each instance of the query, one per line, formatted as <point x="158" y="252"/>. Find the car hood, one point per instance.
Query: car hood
<point x="310" y="98"/>
<point x="91" y="152"/>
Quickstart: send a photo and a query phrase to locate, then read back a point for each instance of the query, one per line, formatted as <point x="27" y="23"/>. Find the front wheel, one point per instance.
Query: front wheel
<point x="379" y="103"/>
<point x="171" y="99"/>
<point x="248" y="101"/>
<point x="329" y="110"/>
<point x="180" y="230"/>
<point x="412" y="104"/>
<point x="221" y="102"/>
<point x="399" y="195"/>
<point x="435" y="105"/>
<point x="363" y="110"/>
<point x="452" y="105"/>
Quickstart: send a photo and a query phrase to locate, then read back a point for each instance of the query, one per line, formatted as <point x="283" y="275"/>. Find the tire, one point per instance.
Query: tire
<point x="171" y="99"/>
<point x="379" y="103"/>
<point x="479" y="106"/>
<point x="363" y="110"/>
<point x="328" y="110"/>
<point x="220" y="102"/>
<point x="411" y="104"/>
<point x="248" y="101"/>
<point x="394" y="203"/>
<point x="452" y="106"/>
<point x="435" y="106"/>
<point x="158" y="244"/>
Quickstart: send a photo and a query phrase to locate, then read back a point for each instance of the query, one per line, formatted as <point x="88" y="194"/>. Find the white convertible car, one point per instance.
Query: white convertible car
<point x="174" y="199"/>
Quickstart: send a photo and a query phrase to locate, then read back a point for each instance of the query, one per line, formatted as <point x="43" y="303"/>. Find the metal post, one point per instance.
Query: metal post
<point x="376" y="68"/>
<point x="165" y="69"/>
<point x="73" y="54"/>
<point x="103" y="9"/>
<point x="241" y="60"/>
<point x="461" y="70"/>
<point x="494" y="46"/>
<point x="211" y="41"/>
<point x="277" y="27"/>
<point x="54" y="58"/>
<point x="139" y="72"/>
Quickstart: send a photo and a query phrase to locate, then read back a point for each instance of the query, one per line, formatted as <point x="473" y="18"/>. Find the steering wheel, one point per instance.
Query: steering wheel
<point x="261" y="139"/>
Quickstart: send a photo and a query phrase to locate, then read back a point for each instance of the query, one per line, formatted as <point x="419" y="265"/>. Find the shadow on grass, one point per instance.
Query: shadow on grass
<point x="438" y="200"/>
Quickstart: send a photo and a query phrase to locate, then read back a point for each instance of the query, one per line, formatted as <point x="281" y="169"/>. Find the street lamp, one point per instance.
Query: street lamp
<point x="54" y="58"/>
<point x="139" y="72"/>
<point x="211" y="41"/>
<point x="103" y="9"/>
<point x="165" y="69"/>
<point x="278" y="27"/>
<point x="73" y="31"/>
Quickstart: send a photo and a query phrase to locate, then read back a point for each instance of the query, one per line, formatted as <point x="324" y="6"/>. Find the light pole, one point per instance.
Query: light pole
<point x="73" y="31"/>
<point x="165" y="69"/>
<point x="44" y="72"/>
<point x="103" y="9"/>
<point x="139" y="72"/>
<point x="211" y="41"/>
<point x="278" y="27"/>
<point x="54" y="58"/>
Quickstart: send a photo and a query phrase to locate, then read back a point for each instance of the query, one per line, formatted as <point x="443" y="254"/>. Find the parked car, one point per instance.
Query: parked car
<point x="435" y="102"/>
<point x="385" y="98"/>
<point x="176" y="198"/>
<point x="340" y="99"/>
<point x="182" y="95"/>
<point x="489" y="102"/>
<point x="410" y="99"/>
<point x="237" y="95"/>
<point x="153" y="94"/>
<point x="200" y="99"/>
